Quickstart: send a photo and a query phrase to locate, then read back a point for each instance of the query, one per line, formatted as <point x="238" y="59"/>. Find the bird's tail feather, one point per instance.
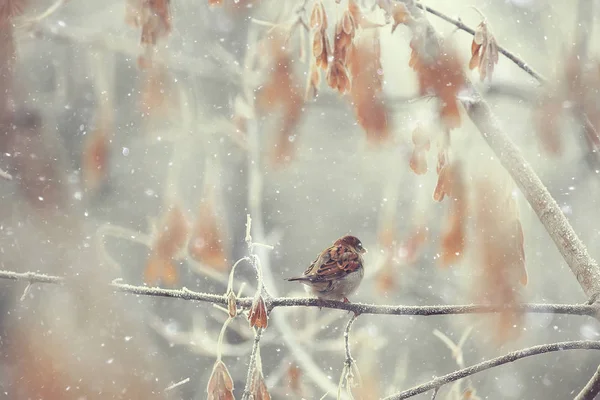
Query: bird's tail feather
<point x="298" y="278"/>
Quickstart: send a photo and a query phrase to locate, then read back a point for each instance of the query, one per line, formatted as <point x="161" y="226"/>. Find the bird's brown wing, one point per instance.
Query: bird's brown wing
<point x="334" y="263"/>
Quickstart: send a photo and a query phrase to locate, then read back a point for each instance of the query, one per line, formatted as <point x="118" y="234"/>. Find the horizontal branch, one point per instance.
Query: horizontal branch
<point x="357" y="308"/>
<point x="510" y="357"/>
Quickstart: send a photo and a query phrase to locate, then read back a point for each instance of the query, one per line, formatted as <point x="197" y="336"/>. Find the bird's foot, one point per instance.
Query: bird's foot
<point x="346" y="301"/>
<point x="321" y="303"/>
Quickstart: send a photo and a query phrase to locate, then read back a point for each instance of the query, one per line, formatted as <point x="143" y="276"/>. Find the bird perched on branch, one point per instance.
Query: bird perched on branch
<point x="337" y="271"/>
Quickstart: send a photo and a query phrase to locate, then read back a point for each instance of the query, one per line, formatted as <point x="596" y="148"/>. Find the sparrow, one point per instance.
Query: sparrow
<point x="336" y="272"/>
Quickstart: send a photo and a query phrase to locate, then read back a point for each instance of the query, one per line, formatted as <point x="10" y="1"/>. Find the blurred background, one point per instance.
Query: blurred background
<point x="140" y="135"/>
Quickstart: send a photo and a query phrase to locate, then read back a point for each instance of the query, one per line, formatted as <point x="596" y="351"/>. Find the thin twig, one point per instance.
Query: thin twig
<point x="177" y="384"/>
<point x="357" y="308"/>
<point x="591" y="389"/>
<point x="463" y="27"/>
<point x="510" y="357"/>
<point x="347" y="338"/>
<point x="252" y="364"/>
<point x="350" y="369"/>
<point x="435" y="392"/>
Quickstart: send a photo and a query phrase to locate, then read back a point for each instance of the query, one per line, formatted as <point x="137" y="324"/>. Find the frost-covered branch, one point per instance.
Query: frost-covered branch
<point x="591" y="389"/>
<point x="252" y="364"/>
<point x="495" y="362"/>
<point x="358" y="308"/>
<point x="508" y="54"/>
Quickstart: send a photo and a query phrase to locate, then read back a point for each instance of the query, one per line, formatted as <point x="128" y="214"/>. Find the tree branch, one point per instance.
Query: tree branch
<point x="512" y="57"/>
<point x="350" y="375"/>
<point x="357" y="308"/>
<point x="252" y="365"/>
<point x="510" y="357"/>
<point x="591" y="389"/>
<point x="584" y="267"/>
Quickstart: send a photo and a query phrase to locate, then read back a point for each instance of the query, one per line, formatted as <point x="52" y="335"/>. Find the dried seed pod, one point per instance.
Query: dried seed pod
<point x="294" y="375"/>
<point x="337" y="77"/>
<point x="499" y="245"/>
<point x="364" y="66"/>
<point x="258" y="388"/>
<point x="454" y="230"/>
<point x="420" y="138"/>
<point x="484" y="51"/>
<point x="318" y="17"/>
<point x="231" y="304"/>
<point x="258" y="316"/>
<point x="220" y="384"/>
<point x="443" y="185"/>
<point x="418" y="161"/>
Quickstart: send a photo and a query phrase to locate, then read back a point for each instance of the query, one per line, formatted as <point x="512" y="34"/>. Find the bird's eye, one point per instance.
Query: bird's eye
<point x="359" y="245"/>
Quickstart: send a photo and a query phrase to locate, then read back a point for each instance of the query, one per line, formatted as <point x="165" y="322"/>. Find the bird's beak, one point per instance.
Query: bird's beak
<point x="363" y="251"/>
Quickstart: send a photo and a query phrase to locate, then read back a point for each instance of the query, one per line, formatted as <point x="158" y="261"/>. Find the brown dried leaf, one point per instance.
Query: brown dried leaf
<point x="322" y="59"/>
<point x="258" y="388"/>
<point x="400" y="14"/>
<point x="364" y="65"/>
<point x="158" y="24"/>
<point x="347" y="24"/>
<point x="337" y="77"/>
<point x="345" y="30"/>
<point x="318" y="17"/>
<point x="258" y="316"/>
<point x="440" y="74"/>
<point x="454" y="230"/>
<point x="418" y="161"/>
<point x="444" y="184"/>
<point x="294" y="376"/>
<point x="484" y="51"/>
<point x="220" y="384"/>
<point x="206" y="240"/>
<point x="499" y="241"/>
<point x="318" y="44"/>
